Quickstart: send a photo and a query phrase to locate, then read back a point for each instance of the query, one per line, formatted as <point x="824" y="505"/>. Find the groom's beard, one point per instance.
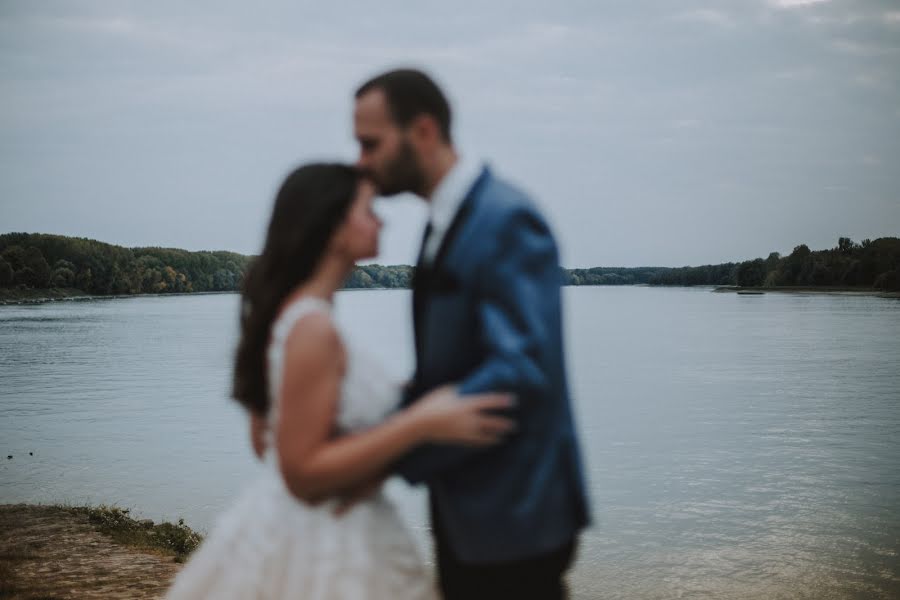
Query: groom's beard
<point x="402" y="174"/>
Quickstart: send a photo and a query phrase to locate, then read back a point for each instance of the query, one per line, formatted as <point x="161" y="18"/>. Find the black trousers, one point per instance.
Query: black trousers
<point x="540" y="577"/>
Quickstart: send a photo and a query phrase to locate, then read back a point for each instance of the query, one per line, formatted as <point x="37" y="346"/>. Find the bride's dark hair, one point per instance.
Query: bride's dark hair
<point x="312" y="202"/>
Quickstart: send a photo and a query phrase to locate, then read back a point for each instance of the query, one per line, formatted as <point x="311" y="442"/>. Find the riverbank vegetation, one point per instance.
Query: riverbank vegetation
<point x="173" y="539"/>
<point x="36" y="266"/>
<point x="870" y="264"/>
<point x="41" y="261"/>
<point x="53" y="551"/>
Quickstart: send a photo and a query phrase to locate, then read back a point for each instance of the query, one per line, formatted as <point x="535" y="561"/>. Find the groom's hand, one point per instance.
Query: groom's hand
<point x="350" y="497"/>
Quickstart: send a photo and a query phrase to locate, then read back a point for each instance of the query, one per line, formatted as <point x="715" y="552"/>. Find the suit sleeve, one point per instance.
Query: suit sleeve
<point x="518" y="303"/>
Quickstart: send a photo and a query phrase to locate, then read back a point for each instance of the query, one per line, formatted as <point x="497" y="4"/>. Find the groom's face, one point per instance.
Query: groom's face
<point x="385" y="152"/>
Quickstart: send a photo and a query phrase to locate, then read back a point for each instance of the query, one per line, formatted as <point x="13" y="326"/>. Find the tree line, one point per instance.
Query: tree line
<point x="868" y="264"/>
<point x="44" y="261"/>
<point x="41" y="261"/>
<point x="609" y="275"/>
<point x="56" y="261"/>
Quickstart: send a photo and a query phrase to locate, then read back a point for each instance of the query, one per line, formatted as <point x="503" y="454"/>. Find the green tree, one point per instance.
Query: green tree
<point x="223" y="280"/>
<point x="170" y="279"/>
<point x="359" y="279"/>
<point x="38" y="271"/>
<point x="751" y="273"/>
<point x="845" y="245"/>
<point x="793" y="266"/>
<point x="820" y="274"/>
<point x="62" y="277"/>
<point x="84" y="280"/>
<point x="152" y="281"/>
<point x="27" y="277"/>
<point x="62" y="274"/>
<point x="6" y="273"/>
<point x="888" y="281"/>
<point x="15" y="256"/>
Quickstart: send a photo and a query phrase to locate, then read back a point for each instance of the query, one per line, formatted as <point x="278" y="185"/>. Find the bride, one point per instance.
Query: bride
<point x="328" y="417"/>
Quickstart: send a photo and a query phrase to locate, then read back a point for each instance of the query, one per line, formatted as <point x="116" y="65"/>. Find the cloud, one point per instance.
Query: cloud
<point x="132" y="30"/>
<point x="788" y="4"/>
<point x="684" y="123"/>
<point x="101" y="98"/>
<point x="876" y="78"/>
<point x="799" y="74"/>
<point x="864" y="49"/>
<point x="707" y="16"/>
<point x="115" y="25"/>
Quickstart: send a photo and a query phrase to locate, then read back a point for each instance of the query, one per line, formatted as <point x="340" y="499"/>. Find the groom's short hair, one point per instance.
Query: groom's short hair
<point x="411" y="93"/>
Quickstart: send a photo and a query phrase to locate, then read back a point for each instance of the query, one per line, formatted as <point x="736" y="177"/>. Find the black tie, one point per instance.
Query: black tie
<point x="428" y="229"/>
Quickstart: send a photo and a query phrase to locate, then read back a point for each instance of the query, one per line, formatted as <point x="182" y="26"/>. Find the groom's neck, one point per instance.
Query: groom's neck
<point x="444" y="159"/>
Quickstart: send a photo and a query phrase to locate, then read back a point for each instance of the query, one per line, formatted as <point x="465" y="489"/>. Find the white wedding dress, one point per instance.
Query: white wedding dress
<point x="270" y="545"/>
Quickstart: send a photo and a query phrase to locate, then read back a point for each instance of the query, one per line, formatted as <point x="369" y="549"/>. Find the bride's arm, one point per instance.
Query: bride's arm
<point x="316" y="464"/>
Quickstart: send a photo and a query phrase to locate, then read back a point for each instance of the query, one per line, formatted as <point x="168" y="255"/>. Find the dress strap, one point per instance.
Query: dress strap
<point x="281" y="328"/>
<point x="297" y="309"/>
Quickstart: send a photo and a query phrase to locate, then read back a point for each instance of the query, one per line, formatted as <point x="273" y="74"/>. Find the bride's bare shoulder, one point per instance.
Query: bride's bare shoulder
<point x="314" y="340"/>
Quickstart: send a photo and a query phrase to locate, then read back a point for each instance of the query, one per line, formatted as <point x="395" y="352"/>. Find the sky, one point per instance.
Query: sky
<point x="658" y="133"/>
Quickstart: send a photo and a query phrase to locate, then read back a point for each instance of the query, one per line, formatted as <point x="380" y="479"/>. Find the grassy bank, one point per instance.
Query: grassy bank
<point x="54" y="552"/>
<point x="174" y="539"/>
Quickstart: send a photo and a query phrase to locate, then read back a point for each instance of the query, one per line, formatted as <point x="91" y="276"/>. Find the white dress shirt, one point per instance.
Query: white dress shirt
<point x="445" y="202"/>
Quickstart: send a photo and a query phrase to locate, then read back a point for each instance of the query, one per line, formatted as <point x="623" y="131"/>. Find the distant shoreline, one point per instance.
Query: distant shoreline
<point x="40" y="267"/>
<point x="13" y="297"/>
<point x="825" y="290"/>
<point x="9" y="297"/>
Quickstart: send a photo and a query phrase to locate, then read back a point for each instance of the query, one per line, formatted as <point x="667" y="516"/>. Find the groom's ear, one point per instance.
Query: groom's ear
<point x="424" y="130"/>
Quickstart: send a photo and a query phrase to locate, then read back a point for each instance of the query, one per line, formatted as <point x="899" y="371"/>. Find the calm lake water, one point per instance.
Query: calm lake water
<point x="737" y="447"/>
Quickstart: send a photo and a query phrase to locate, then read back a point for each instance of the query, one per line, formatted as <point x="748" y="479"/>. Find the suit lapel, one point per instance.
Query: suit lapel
<point x="459" y="219"/>
<point x="424" y="273"/>
<point x="419" y="283"/>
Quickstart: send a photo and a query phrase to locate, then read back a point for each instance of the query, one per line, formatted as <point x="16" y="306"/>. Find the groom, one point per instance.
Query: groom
<point x="486" y="298"/>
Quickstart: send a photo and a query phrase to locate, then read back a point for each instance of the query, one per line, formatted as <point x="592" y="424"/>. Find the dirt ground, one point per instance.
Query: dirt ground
<point x="51" y="553"/>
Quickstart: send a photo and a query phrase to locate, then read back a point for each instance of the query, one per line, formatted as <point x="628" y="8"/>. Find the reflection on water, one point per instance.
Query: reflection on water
<point x="737" y="447"/>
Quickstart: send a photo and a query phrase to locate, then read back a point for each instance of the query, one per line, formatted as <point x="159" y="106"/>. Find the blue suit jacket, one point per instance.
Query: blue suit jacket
<point x="487" y="315"/>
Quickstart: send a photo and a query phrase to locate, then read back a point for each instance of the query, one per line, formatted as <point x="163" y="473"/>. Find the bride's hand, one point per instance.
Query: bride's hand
<point x="447" y="417"/>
